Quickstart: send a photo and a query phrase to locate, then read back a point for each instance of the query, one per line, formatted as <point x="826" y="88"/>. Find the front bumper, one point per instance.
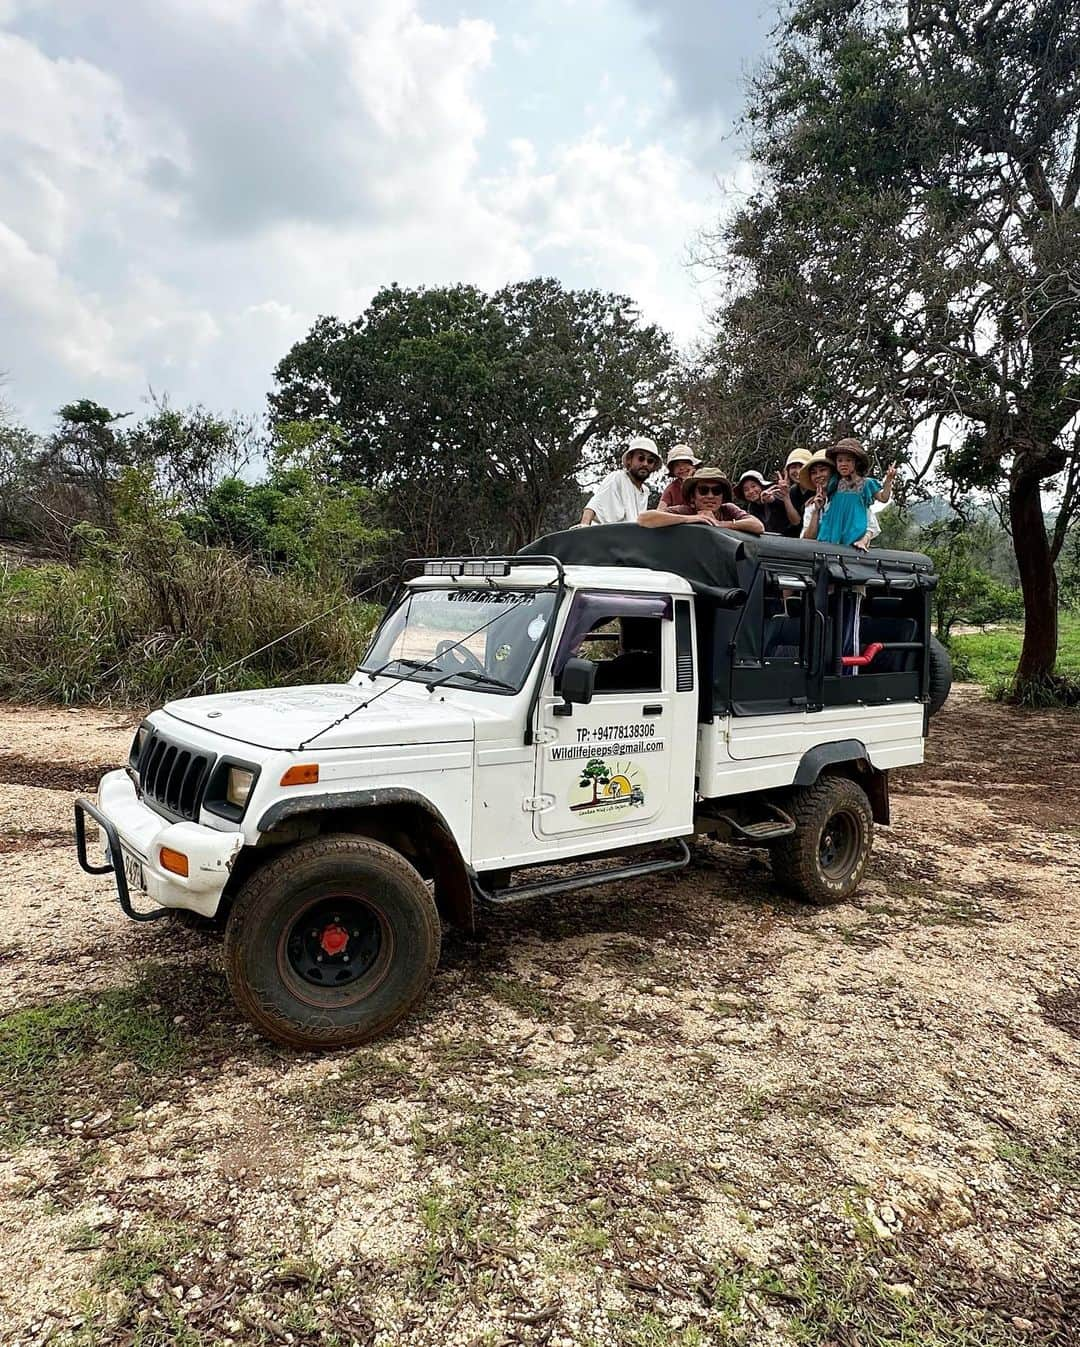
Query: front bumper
<point x="134" y="830"/>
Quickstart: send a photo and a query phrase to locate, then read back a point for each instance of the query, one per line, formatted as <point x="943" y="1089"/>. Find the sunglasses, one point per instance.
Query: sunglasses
<point x="709" y="490"/>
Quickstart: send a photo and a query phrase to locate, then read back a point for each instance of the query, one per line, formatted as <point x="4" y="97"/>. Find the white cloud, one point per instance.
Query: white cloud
<point x="182" y="192"/>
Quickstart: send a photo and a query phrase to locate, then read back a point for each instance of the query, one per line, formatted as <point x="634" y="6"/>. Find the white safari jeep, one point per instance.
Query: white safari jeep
<point x="605" y="694"/>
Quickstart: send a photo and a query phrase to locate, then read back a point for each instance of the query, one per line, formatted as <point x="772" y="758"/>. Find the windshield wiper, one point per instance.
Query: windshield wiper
<point x="409" y="664"/>
<point x="476" y="676"/>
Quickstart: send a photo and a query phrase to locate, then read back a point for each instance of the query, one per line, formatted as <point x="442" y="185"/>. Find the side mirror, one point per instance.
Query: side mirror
<point x="578" y="681"/>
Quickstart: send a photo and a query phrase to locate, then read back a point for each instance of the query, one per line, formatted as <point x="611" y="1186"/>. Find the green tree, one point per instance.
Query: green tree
<point x="19" y="452"/>
<point x="300" y="517"/>
<point x="964" y="591"/>
<point x="911" y="257"/>
<point x="476" y="412"/>
<point x="190" y="450"/>
<point x="87" y="453"/>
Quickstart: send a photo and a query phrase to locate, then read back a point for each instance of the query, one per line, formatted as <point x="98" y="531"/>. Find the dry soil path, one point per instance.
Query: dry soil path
<point x="684" y="1111"/>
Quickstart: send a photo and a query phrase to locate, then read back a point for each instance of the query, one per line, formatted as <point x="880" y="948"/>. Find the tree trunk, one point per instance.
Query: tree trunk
<point x="1038" y="583"/>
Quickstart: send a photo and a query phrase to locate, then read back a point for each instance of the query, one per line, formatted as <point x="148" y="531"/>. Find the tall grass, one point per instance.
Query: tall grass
<point x="131" y="627"/>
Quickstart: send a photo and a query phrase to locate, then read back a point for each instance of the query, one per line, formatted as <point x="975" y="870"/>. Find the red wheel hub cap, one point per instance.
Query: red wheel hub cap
<point x="334" y="939"/>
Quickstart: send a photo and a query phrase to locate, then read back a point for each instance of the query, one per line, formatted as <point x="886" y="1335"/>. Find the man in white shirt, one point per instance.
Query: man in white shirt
<point x="622" y="495"/>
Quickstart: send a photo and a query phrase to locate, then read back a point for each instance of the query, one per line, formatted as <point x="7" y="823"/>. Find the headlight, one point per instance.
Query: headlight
<point x="135" y="752"/>
<point x="238" y="786"/>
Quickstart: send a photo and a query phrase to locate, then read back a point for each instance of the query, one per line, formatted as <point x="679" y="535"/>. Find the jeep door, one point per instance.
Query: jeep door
<point x="625" y="761"/>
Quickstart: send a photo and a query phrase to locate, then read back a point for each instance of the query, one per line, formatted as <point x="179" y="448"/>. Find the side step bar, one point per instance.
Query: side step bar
<point x="759" y="831"/>
<point x="519" y="893"/>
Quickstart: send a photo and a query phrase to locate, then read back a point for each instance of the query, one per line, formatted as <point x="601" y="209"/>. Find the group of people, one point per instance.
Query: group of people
<point x="826" y="495"/>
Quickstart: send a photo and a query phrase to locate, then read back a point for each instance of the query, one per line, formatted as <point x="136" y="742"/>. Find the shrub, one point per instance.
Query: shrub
<point x="151" y="614"/>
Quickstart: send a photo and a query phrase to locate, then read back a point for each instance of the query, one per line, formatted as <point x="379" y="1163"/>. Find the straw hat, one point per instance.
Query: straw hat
<point x="754" y="476"/>
<point x="853" y="447"/>
<point x="812" y="461"/>
<point x="646" y="446"/>
<point x="690" y="484"/>
<point x="682" y="453"/>
<point x="799" y="456"/>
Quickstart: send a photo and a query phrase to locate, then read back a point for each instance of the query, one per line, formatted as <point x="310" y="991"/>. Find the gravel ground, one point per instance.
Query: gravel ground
<point x="682" y="1111"/>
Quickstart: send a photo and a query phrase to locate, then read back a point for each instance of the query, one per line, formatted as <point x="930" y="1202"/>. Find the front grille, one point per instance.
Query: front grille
<point x="173" y="777"/>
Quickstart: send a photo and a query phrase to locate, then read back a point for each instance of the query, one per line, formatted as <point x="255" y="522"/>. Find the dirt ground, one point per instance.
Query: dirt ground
<point x="682" y="1111"/>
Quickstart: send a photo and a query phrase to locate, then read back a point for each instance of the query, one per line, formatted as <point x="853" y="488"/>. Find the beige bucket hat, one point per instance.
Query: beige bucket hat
<point x="804" y="475"/>
<point x="690" y="484"/>
<point x="681" y="453"/>
<point x="646" y="445"/>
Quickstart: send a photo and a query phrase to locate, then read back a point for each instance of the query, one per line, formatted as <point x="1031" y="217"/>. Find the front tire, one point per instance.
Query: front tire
<point x="332" y="943"/>
<point x="826" y="856"/>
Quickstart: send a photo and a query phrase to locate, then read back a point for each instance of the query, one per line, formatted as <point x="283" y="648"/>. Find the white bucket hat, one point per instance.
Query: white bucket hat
<point x="646" y="446"/>
<point x="682" y="453"/>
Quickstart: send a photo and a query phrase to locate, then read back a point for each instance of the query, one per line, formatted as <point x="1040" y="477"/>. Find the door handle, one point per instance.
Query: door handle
<point x="652" y="710"/>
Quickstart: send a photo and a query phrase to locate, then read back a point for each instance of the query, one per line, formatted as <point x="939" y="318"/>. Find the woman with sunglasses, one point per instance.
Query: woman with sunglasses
<point x="708" y="497"/>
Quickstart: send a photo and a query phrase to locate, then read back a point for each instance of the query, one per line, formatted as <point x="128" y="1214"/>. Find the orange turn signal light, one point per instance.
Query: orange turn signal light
<point x="303" y="774"/>
<point x="175" y="861"/>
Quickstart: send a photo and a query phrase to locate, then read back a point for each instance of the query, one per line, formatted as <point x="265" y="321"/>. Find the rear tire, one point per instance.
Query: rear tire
<point x="332" y="943"/>
<point x="940" y="681"/>
<point x="826" y="856"/>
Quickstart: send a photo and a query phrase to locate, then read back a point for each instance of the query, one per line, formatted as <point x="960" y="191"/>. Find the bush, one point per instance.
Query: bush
<point x="151" y="614"/>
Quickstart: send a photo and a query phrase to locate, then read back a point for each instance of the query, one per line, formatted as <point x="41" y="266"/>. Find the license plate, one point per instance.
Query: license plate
<point x="134" y="871"/>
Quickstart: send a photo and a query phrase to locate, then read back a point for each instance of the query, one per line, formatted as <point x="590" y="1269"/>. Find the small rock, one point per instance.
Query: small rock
<point x="902" y="1289"/>
<point x="154" y="1287"/>
<point x="116" y="1305"/>
<point x="1024" y="1325"/>
<point x="564" y="1034"/>
<point x="194" y="1293"/>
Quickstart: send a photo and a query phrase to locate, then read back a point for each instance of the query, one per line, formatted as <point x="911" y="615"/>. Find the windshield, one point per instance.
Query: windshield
<point x="469" y="637"/>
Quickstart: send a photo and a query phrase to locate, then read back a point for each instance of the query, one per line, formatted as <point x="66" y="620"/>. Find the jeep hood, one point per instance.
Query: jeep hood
<point x="285" y="718"/>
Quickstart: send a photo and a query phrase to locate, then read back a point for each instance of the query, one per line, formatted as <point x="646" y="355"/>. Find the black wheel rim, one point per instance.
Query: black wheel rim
<point x="335" y="950"/>
<point x="840" y="845"/>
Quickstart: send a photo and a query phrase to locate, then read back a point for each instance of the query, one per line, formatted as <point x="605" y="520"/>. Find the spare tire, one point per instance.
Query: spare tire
<point x="940" y="675"/>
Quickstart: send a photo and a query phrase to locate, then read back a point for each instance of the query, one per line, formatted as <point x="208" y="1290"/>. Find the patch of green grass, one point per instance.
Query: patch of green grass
<point x="48" y="1053"/>
<point x="450" y="1218"/>
<point x="516" y="1163"/>
<point x="835" y="1300"/>
<point x="460" y="1052"/>
<point x="1050" y="1162"/>
<point x="589" y="1238"/>
<point x="142" y="1254"/>
<point x="992" y="656"/>
<point x="755" y="1104"/>
<point x="522" y="997"/>
<point x="368" y="1073"/>
<point x="82" y="1237"/>
<point x="650" y="1330"/>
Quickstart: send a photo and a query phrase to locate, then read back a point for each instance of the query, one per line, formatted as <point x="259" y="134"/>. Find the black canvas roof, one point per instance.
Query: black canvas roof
<point x="713" y="559"/>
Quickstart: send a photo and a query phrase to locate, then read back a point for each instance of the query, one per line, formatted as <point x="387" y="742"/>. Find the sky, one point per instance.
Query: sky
<point x="185" y="185"/>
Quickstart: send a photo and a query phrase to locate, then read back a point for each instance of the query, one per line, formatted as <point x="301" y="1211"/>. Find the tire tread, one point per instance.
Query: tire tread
<point x="795" y="858"/>
<point x="266" y="1016"/>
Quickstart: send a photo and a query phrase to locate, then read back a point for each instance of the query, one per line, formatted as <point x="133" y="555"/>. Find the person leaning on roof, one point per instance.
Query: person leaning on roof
<point x="758" y="496"/>
<point x="622" y="495"/>
<point x="708" y="501"/>
<point x="680" y="463"/>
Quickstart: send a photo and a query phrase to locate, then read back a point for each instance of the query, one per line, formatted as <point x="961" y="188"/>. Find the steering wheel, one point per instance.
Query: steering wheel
<point x="460" y="655"/>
